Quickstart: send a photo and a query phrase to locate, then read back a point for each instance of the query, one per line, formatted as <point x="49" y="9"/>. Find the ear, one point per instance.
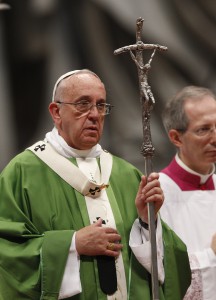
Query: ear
<point x="54" y="111"/>
<point x="175" y="137"/>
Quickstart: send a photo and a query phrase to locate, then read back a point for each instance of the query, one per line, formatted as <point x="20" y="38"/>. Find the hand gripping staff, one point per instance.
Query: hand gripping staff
<point x="147" y="150"/>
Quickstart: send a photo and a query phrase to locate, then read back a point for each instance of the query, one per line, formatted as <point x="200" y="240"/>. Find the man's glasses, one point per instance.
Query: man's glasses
<point x="84" y="107"/>
<point x="205" y="131"/>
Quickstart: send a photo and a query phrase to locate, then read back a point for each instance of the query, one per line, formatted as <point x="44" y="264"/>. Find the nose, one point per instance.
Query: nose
<point x="93" y="111"/>
<point x="212" y="132"/>
<point x="213" y="136"/>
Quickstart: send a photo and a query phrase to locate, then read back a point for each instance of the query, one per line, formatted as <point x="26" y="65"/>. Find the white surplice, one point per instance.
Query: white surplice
<point x="190" y="210"/>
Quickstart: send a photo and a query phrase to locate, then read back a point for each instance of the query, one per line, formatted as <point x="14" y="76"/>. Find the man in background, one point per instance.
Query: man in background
<point x="189" y="183"/>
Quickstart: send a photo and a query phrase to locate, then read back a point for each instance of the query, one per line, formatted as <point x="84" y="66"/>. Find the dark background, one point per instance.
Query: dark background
<point x="42" y="39"/>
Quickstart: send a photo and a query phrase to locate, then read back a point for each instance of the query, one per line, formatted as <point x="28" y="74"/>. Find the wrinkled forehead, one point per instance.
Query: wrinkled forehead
<point x="68" y="74"/>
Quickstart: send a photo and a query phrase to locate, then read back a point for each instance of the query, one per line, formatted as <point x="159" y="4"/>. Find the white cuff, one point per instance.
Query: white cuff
<point x="141" y="247"/>
<point x="71" y="284"/>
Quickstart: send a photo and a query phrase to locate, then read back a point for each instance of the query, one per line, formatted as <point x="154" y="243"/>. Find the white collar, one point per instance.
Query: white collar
<point x="59" y="144"/>
<point x="203" y="178"/>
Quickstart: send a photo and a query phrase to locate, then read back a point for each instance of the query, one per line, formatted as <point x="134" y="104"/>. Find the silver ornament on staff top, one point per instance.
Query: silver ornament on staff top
<point x="147" y="102"/>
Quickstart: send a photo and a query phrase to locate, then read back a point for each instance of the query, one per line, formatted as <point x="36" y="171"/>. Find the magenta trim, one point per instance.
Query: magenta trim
<point x="185" y="180"/>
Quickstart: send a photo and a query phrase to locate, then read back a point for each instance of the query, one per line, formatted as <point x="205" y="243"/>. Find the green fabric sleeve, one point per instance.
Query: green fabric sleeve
<point x="54" y="253"/>
<point x="176" y="265"/>
<point x="27" y="261"/>
<point x="28" y="256"/>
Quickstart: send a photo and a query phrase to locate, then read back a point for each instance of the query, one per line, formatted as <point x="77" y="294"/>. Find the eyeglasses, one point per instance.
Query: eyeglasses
<point x="84" y="107"/>
<point x="204" y="131"/>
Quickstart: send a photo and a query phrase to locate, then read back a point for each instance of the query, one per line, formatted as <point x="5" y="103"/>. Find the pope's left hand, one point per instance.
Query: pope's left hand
<point x="149" y="191"/>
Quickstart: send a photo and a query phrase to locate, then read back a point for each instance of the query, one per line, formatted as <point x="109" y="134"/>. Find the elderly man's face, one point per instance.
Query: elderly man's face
<point x="80" y="131"/>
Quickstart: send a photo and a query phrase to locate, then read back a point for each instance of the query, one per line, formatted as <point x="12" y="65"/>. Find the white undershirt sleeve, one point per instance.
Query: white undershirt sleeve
<point x="141" y="247"/>
<point x="71" y="283"/>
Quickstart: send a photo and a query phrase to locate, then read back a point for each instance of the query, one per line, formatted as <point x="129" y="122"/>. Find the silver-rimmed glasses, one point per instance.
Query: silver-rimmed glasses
<point x="203" y="131"/>
<point x="84" y="107"/>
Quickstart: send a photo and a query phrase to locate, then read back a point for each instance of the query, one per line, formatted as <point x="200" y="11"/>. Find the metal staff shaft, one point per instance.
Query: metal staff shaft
<point x="147" y="101"/>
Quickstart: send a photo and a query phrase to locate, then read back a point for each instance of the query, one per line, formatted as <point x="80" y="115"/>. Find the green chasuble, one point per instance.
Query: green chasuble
<point x="39" y="213"/>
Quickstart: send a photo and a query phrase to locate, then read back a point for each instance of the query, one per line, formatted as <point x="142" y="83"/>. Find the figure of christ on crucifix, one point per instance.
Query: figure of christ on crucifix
<point x="145" y="89"/>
